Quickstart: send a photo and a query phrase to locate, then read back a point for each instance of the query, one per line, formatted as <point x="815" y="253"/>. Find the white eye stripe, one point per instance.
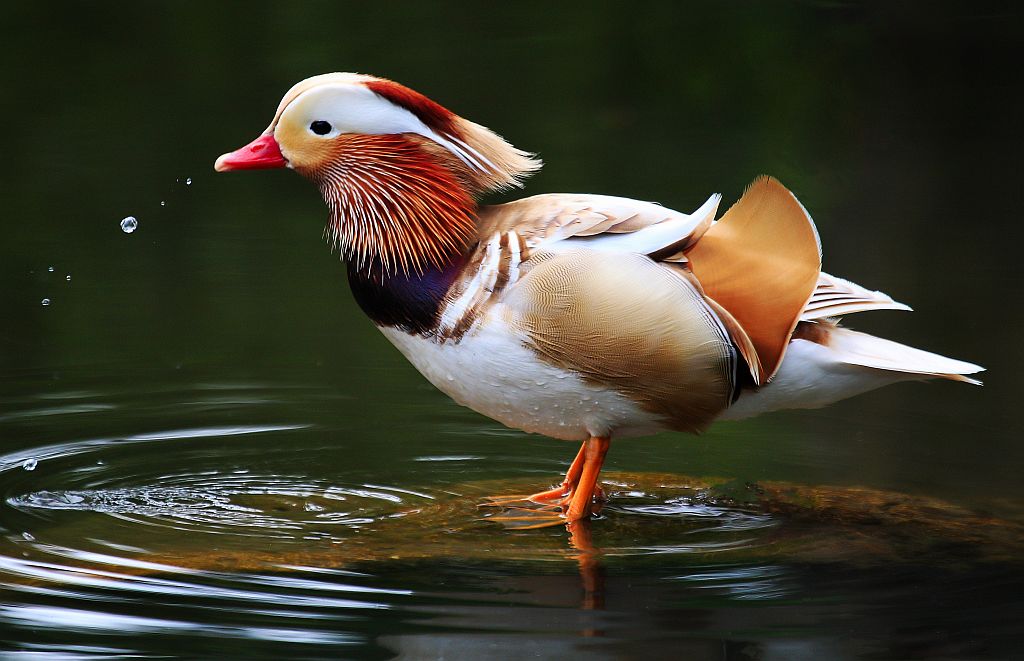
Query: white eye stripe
<point x="353" y="108"/>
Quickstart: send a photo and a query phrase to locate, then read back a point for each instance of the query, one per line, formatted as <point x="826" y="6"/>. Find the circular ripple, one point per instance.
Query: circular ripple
<point x="240" y="503"/>
<point x="116" y="477"/>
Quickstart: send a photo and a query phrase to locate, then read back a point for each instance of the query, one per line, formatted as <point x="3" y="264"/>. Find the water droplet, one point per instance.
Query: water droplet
<point x="188" y="182"/>
<point x="46" y="301"/>
<point x="30" y="464"/>
<point x="163" y="203"/>
<point x="129" y="224"/>
<point x="50" y="269"/>
<point x="68" y="277"/>
<point x="27" y="536"/>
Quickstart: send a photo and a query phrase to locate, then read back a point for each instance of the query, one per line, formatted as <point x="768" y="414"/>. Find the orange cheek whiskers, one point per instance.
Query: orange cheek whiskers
<point x="393" y="201"/>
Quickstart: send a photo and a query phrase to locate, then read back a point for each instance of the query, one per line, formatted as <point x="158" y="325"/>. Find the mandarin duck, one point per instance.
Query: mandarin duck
<point x="580" y="317"/>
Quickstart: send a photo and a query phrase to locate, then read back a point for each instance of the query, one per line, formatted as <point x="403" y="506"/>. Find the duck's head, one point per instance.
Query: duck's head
<point x="400" y="173"/>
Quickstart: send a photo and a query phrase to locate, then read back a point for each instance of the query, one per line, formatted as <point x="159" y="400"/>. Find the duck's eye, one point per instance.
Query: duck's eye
<point x="320" y="127"/>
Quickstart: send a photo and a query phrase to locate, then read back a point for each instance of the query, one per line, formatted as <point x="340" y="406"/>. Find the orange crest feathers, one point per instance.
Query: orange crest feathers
<point x="493" y="164"/>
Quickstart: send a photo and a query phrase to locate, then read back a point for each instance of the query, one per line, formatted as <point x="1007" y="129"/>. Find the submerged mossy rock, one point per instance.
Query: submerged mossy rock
<point x="700" y="520"/>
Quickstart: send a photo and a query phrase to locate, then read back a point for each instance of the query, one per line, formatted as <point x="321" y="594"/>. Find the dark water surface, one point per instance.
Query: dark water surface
<point x="207" y="451"/>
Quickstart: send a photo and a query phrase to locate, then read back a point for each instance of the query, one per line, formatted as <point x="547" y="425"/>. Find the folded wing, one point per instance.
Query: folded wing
<point x="559" y="222"/>
<point x="757" y="267"/>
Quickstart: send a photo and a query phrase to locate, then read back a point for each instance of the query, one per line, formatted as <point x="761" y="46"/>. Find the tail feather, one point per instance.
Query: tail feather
<point x="826" y="363"/>
<point x="855" y="348"/>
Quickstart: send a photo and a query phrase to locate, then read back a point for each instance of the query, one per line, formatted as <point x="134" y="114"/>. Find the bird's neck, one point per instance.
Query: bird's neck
<point x="412" y="302"/>
<point x="398" y="203"/>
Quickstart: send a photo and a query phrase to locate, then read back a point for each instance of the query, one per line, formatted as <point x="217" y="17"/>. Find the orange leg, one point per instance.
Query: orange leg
<point x="570" y="501"/>
<point x="594" y="451"/>
<point x="572" y="477"/>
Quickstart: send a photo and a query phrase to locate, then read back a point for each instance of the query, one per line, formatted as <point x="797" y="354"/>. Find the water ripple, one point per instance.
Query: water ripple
<point x="264" y="537"/>
<point x="91" y="621"/>
<point x="238" y="503"/>
<point x="741" y="582"/>
<point x="72" y="448"/>
<point x="194" y="584"/>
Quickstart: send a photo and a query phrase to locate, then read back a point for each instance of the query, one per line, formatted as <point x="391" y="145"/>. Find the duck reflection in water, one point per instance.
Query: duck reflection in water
<point x="592" y="571"/>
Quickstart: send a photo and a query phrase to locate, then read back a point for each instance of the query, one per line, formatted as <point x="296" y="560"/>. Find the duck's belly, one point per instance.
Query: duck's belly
<point x="492" y="372"/>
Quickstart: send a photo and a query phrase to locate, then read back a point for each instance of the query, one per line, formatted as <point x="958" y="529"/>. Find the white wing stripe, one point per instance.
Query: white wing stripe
<point x="675" y="228"/>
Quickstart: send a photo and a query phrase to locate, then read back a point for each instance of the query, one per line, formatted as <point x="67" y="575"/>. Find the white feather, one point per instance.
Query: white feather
<point x="814" y="375"/>
<point x="855" y="348"/>
<point x="675" y="228"/>
<point x="351" y="107"/>
<point x="482" y="280"/>
<point x="834" y="297"/>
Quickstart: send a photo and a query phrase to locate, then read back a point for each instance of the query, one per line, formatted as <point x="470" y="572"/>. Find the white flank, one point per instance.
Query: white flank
<point x="810" y="377"/>
<point x="492" y="372"/>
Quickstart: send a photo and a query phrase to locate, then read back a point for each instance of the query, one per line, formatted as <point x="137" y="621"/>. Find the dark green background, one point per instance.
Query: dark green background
<point x="898" y="125"/>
